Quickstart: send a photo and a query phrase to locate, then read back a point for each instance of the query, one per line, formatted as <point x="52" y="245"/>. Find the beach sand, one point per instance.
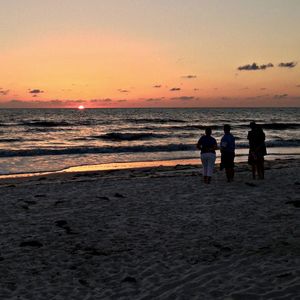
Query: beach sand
<point x="152" y="233"/>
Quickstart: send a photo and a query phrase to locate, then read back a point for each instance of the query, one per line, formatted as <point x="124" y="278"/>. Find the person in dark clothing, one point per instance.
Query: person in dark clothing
<point x="257" y="150"/>
<point x="227" y="148"/>
<point x="207" y="145"/>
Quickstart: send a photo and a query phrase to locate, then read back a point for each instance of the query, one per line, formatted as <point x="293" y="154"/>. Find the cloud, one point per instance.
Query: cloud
<point x="123" y="91"/>
<point x="153" y="99"/>
<point x="41" y="104"/>
<point x="189" y="76"/>
<point x="195" y="89"/>
<point x="36" y="91"/>
<point x="262" y="96"/>
<point x="263" y="89"/>
<point x="255" y="67"/>
<point x="289" y="65"/>
<point x="157" y="86"/>
<point x="257" y="97"/>
<point x="280" y="96"/>
<point x="175" y="89"/>
<point x="107" y="100"/>
<point x="4" y="92"/>
<point x="184" y="98"/>
<point x="298" y="85"/>
<point x="269" y="65"/>
<point x="123" y="100"/>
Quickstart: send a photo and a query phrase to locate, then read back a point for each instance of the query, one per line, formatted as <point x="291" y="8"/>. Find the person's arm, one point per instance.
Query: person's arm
<point x="215" y="147"/>
<point x="223" y="144"/>
<point x="233" y="143"/>
<point x="198" y="145"/>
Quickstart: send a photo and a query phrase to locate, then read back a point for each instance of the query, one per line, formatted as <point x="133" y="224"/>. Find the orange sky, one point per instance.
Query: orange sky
<point x="140" y="54"/>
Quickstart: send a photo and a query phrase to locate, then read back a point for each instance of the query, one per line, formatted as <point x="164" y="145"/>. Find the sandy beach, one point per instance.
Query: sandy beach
<point x="152" y="233"/>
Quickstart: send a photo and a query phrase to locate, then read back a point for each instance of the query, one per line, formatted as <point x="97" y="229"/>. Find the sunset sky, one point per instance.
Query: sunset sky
<point x="142" y="53"/>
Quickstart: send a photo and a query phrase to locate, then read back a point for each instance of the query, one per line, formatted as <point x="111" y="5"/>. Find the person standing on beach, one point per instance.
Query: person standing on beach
<point x="227" y="148"/>
<point x="257" y="150"/>
<point x="207" y="145"/>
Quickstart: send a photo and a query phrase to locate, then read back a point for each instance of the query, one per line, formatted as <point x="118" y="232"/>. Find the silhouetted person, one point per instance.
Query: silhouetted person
<point x="257" y="150"/>
<point x="227" y="148"/>
<point x="207" y="145"/>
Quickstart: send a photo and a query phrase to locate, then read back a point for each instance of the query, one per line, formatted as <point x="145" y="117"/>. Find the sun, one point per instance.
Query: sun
<point x="81" y="107"/>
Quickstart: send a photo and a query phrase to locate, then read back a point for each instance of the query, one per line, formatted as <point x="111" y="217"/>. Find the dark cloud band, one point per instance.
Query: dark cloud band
<point x="289" y="65"/>
<point x="255" y="67"/>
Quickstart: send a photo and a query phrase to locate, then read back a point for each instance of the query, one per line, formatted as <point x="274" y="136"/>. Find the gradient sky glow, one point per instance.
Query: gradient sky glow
<point x="142" y="53"/>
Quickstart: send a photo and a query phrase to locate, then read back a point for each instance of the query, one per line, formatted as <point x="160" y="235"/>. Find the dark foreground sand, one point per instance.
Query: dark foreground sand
<point x="155" y="233"/>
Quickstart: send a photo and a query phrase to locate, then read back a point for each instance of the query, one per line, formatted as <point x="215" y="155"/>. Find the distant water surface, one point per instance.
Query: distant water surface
<point x="36" y="140"/>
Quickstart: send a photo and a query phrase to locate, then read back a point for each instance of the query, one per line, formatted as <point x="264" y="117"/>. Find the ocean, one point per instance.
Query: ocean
<point x="40" y="140"/>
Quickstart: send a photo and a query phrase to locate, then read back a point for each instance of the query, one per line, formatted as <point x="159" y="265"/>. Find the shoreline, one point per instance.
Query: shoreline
<point x="239" y="158"/>
<point x="123" y="169"/>
<point x="13" y="167"/>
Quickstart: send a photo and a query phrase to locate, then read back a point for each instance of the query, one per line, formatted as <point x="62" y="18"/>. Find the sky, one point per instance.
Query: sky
<point x="149" y="53"/>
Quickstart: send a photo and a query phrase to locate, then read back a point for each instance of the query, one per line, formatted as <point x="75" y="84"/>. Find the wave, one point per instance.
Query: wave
<point x="97" y="150"/>
<point x="274" y="143"/>
<point x="283" y="143"/>
<point x="155" y="120"/>
<point x="10" y="140"/>
<point x="273" y="126"/>
<point x="132" y="136"/>
<point x="278" y="126"/>
<point x="128" y="136"/>
<point x="194" y="127"/>
<point x="47" y="129"/>
<point x="37" y="123"/>
<point x="45" y="123"/>
<point x="130" y="149"/>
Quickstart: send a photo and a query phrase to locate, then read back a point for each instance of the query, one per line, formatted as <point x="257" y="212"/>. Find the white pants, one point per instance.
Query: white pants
<point x="208" y="163"/>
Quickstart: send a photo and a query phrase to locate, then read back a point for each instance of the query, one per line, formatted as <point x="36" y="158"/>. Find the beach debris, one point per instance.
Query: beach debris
<point x="11" y="185"/>
<point x="129" y="279"/>
<point x="83" y="282"/>
<point x="61" y="223"/>
<point x="32" y="243"/>
<point x="30" y="202"/>
<point x="103" y="198"/>
<point x="296" y="203"/>
<point x="95" y="252"/>
<point x="64" y="225"/>
<point x="284" y="275"/>
<point x="226" y="249"/>
<point x="250" y="184"/>
<point x="58" y="202"/>
<point x="39" y="196"/>
<point x="118" y="195"/>
<point x="42" y="178"/>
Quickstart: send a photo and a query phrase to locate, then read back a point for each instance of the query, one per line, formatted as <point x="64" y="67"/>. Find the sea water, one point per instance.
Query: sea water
<point x="37" y="140"/>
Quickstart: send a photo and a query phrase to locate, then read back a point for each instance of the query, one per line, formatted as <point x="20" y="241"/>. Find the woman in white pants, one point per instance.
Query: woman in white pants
<point x="208" y="145"/>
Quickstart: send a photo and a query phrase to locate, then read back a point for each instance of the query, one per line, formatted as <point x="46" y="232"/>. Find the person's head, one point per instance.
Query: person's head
<point x="252" y="125"/>
<point x="208" y="131"/>
<point x="226" y="128"/>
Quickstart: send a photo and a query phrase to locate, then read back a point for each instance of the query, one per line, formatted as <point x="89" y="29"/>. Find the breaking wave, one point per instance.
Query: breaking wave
<point x="129" y="149"/>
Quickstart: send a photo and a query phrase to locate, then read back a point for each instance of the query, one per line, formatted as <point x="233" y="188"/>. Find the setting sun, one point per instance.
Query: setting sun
<point x="81" y="107"/>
